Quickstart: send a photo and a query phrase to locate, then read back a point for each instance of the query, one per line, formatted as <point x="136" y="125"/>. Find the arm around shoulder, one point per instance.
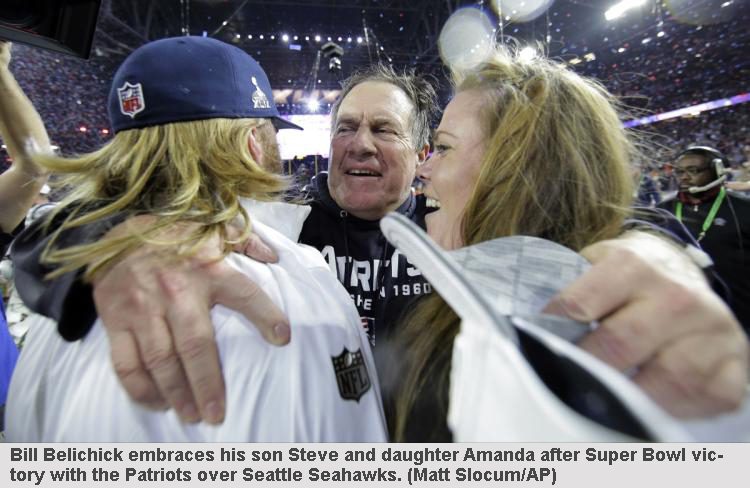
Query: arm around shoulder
<point x="24" y="134"/>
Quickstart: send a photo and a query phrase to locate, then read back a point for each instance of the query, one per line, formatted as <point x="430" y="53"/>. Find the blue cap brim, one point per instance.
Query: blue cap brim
<point x="280" y="123"/>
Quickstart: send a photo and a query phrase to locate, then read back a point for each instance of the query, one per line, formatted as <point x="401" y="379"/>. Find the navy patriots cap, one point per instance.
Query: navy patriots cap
<point x="179" y="79"/>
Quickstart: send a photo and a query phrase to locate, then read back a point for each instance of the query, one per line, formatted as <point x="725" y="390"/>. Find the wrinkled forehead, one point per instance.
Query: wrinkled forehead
<point x="376" y="101"/>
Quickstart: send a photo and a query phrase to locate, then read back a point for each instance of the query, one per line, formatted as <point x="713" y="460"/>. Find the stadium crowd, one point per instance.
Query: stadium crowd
<point x="705" y="63"/>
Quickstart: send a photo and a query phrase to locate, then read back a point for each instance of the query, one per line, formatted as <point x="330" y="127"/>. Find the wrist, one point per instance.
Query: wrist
<point x="32" y="173"/>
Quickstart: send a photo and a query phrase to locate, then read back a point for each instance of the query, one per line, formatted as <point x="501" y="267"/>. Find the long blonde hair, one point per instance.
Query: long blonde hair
<point x="556" y="166"/>
<point x="179" y="172"/>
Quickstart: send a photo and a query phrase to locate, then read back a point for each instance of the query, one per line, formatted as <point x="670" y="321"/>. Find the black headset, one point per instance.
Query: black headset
<point x="719" y="163"/>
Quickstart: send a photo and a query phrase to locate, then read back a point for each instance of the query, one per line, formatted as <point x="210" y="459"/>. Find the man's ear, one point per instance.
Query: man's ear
<point x="254" y="145"/>
<point x="422" y="154"/>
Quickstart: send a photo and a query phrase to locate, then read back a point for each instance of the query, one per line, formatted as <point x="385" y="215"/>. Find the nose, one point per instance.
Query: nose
<point x="424" y="170"/>
<point x="362" y="144"/>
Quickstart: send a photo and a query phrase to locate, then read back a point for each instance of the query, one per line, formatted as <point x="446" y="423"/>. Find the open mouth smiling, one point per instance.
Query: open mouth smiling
<point x="363" y="172"/>
<point x="432" y="203"/>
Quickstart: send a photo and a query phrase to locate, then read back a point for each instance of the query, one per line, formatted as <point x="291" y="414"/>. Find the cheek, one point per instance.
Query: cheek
<point x="401" y="167"/>
<point x="338" y="144"/>
<point x="447" y="179"/>
<point x="454" y="185"/>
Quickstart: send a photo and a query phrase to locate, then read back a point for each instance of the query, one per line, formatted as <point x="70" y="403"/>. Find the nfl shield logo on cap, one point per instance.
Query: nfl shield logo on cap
<point x="131" y="99"/>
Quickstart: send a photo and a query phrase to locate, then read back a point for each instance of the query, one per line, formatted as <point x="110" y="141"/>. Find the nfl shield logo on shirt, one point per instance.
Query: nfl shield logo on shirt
<point x="351" y="374"/>
<point x="131" y="99"/>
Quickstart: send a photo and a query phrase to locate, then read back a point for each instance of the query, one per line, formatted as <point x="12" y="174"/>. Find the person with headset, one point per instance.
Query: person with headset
<point x="718" y="218"/>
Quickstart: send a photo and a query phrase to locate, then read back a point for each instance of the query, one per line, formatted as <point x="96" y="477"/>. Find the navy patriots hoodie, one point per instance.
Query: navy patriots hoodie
<point x="379" y="279"/>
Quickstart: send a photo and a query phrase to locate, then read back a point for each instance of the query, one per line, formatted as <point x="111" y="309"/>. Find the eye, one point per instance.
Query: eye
<point x="441" y="148"/>
<point x="343" y="128"/>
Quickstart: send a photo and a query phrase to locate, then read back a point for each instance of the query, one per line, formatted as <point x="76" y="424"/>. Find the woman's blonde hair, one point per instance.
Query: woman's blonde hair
<point x="182" y="172"/>
<point x="556" y="166"/>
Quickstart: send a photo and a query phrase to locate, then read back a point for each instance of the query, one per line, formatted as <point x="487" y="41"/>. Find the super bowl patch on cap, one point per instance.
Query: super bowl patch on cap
<point x="131" y="99"/>
<point x="260" y="100"/>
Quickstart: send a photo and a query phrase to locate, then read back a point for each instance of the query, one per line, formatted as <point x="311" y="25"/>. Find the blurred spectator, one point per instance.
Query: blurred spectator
<point x="648" y="192"/>
<point x="718" y="219"/>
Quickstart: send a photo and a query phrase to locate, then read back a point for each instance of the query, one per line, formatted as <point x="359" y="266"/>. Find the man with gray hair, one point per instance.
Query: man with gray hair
<point x="380" y="129"/>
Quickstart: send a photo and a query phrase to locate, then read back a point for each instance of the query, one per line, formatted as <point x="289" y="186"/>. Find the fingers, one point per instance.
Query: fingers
<point x="112" y="298"/>
<point x="157" y="314"/>
<point x="634" y="333"/>
<point x="256" y="249"/>
<point x="131" y="371"/>
<point x="691" y="384"/>
<point x="253" y="246"/>
<point x="162" y="362"/>
<point x="132" y="301"/>
<point x="659" y="319"/>
<point x="237" y="292"/>
<point x="193" y="336"/>
<point x="600" y="291"/>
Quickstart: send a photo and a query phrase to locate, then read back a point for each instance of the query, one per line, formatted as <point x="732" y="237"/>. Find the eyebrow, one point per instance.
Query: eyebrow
<point x="347" y="119"/>
<point x="377" y="120"/>
<point x="441" y="132"/>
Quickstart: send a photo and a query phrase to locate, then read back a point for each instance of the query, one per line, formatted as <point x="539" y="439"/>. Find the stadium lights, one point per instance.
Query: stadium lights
<point x="285" y="38"/>
<point x="313" y="105"/>
<point x="691" y="111"/>
<point x="619" y="9"/>
<point x="726" y="4"/>
<point x="317" y="38"/>
<point x="359" y="40"/>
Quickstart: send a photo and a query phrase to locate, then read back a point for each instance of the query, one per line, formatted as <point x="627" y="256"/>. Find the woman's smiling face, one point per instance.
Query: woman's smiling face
<point x="452" y="171"/>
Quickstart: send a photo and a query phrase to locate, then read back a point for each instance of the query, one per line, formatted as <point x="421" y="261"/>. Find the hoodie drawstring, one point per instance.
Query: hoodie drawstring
<point x="347" y="267"/>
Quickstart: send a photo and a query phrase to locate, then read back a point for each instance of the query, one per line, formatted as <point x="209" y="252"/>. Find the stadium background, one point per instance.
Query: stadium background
<point x="659" y="57"/>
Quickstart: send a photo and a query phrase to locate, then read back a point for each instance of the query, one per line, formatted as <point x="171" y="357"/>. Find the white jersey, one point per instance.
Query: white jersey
<point x="321" y="387"/>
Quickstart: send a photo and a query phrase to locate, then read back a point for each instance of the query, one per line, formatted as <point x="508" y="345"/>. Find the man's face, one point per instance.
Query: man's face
<point x="693" y="170"/>
<point x="373" y="158"/>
